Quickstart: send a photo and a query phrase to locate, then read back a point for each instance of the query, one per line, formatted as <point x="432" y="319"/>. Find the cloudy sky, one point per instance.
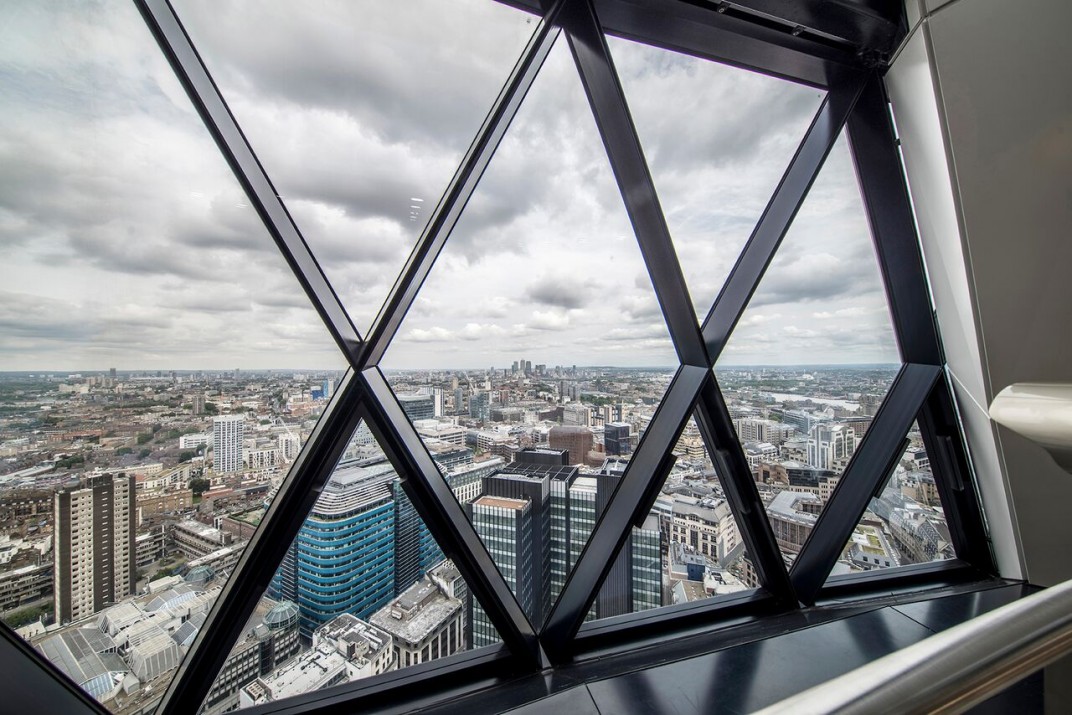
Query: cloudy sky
<point x="125" y="241"/>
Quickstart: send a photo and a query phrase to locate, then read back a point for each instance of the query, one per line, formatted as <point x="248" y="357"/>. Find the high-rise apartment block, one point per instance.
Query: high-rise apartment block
<point x="94" y="554"/>
<point x="228" y="432"/>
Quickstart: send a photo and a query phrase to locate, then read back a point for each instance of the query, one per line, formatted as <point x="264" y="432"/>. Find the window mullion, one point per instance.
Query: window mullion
<point x="450" y="206"/>
<point x="953" y="477"/>
<point x="716" y="428"/>
<point x="447" y="521"/>
<point x="631" y="500"/>
<point x="604" y="91"/>
<point x="885" y="195"/>
<point x="258" y="563"/>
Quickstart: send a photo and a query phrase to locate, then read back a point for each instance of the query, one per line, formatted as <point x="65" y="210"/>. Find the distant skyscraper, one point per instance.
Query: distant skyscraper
<point x="634" y="581"/>
<point x="94" y="553"/>
<point x="228" y="432"/>
<point x="646" y="551"/>
<point x="197" y="405"/>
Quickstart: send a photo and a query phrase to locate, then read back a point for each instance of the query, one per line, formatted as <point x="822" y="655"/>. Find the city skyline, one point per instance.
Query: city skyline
<point x="531" y="453"/>
<point x="184" y="372"/>
<point x="147" y="250"/>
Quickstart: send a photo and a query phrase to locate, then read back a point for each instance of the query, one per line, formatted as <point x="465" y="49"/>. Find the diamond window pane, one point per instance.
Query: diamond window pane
<point x="688" y="549"/>
<point x="363" y="590"/>
<point x="536" y="331"/>
<point x="905" y="522"/>
<point x="360" y="113"/>
<point x="162" y="367"/>
<point x="812" y="357"/>
<point x="717" y="140"/>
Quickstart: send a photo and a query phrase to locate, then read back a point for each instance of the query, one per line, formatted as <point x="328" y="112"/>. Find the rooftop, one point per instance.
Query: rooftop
<point x="501" y="503"/>
<point x="413" y="626"/>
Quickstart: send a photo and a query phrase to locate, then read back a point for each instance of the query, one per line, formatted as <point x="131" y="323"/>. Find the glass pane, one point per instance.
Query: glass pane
<point x="162" y="368"/>
<point x="717" y="139"/>
<point x="360" y="113"/>
<point x="688" y="549"/>
<point x="364" y="589"/>
<point x="536" y="329"/>
<point x="905" y="524"/>
<point x="813" y="355"/>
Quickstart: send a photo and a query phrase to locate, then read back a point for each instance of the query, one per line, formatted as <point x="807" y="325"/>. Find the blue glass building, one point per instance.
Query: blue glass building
<point x="343" y="560"/>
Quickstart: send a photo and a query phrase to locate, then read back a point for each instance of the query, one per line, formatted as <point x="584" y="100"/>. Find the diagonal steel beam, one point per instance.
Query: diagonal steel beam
<point x="779" y="214"/>
<point x="593" y="60"/>
<point x="889" y="212"/>
<point x="450" y="207"/>
<point x="629" y="504"/>
<point x="716" y="428"/>
<point x="867" y="471"/>
<point x="446" y="519"/>
<point x="221" y="124"/>
<point x="262" y="556"/>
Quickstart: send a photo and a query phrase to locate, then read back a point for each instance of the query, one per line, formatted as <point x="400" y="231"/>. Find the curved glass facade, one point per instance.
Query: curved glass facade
<point x="343" y="560"/>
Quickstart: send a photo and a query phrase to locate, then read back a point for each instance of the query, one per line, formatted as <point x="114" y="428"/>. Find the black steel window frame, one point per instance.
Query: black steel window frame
<point x="838" y="49"/>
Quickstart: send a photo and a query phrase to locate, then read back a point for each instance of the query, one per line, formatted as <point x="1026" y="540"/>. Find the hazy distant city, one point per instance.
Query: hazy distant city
<point x="127" y="497"/>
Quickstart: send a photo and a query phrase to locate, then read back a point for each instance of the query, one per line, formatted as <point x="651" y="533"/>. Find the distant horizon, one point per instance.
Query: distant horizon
<point x="52" y="372"/>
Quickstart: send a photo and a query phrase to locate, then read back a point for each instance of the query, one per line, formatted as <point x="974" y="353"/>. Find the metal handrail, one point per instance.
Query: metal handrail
<point x="955" y="669"/>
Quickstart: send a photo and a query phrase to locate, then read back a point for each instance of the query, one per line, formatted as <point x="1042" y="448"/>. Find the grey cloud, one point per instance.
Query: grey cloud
<point x="424" y="70"/>
<point x="654" y="331"/>
<point x="641" y="307"/>
<point x="285" y="298"/>
<point x="126" y="197"/>
<point x="62" y="322"/>
<point x="561" y="291"/>
<point x="814" y="279"/>
<point x="213" y="303"/>
<point x="723" y="115"/>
